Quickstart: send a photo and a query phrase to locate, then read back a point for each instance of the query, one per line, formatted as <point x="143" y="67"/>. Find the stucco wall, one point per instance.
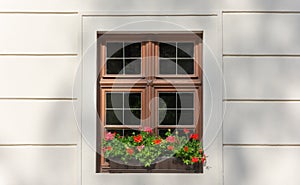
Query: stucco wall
<point x="41" y="50"/>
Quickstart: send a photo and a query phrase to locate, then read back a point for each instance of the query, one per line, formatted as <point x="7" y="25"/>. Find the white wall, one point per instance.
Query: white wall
<point x="40" y="51"/>
<point x="261" y="69"/>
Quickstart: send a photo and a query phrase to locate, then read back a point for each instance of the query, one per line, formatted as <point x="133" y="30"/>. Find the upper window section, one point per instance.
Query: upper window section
<point x="176" y="58"/>
<point x="123" y="58"/>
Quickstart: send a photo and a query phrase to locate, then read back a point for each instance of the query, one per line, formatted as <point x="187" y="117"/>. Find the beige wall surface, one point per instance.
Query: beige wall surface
<point x="40" y="58"/>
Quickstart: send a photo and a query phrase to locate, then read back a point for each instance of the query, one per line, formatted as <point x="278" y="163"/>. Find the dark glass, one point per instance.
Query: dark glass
<point x="185" y="100"/>
<point x="114" y="117"/>
<point x="185" y="66"/>
<point x="114" y="66"/>
<point x="131" y="132"/>
<point x="114" y="49"/>
<point x="185" y="50"/>
<point x="132" y="66"/>
<point x="132" y="49"/>
<point x="167" y="50"/>
<point x="167" y="100"/>
<point x="162" y="132"/>
<point x="114" y="100"/>
<point x="185" y="117"/>
<point x="132" y="117"/>
<point x="167" y="66"/>
<point x="167" y="117"/>
<point x="132" y="100"/>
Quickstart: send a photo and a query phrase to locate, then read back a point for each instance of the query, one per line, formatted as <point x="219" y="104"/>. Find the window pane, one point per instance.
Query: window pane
<point x="114" y="117"/>
<point x="162" y="132"/>
<point x="114" y="66"/>
<point x="185" y="117"/>
<point x="167" y="117"/>
<point x="167" y="100"/>
<point x="185" y="100"/>
<point x="114" y="100"/>
<point x="132" y="100"/>
<point x="185" y="50"/>
<point x="132" y="49"/>
<point x="132" y="66"/>
<point x="131" y="132"/>
<point x="114" y="49"/>
<point x="132" y="117"/>
<point x="185" y="66"/>
<point x="167" y="50"/>
<point x="167" y="66"/>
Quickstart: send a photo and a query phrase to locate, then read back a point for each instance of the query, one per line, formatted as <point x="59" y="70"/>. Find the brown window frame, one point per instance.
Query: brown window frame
<point x="149" y="82"/>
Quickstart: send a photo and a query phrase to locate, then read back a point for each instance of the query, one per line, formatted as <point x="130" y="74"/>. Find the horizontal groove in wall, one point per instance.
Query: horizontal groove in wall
<point x="158" y="14"/>
<point x="261" y="11"/>
<point x="20" y="54"/>
<point x="261" y="55"/>
<point x="261" y="100"/>
<point x="37" y="145"/>
<point x="67" y="99"/>
<point x="262" y="145"/>
<point x="37" y="12"/>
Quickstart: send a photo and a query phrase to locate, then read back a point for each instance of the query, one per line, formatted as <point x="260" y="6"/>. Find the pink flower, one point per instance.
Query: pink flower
<point x="186" y="131"/>
<point x="148" y="129"/>
<point x="170" y="147"/>
<point x="109" y="136"/>
<point x="170" y="139"/>
<point x="140" y="148"/>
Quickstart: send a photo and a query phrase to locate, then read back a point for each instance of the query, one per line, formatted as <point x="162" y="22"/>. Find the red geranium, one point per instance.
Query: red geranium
<point x="109" y="148"/>
<point x="138" y="138"/>
<point x="194" y="136"/>
<point x="186" y="148"/>
<point x="186" y="131"/>
<point x="203" y="159"/>
<point x="157" y="141"/>
<point x="130" y="151"/>
<point x="170" y="147"/>
<point x="195" y="159"/>
<point x="170" y="139"/>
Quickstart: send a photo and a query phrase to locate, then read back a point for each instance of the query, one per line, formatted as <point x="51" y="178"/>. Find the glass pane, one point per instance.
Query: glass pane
<point x="132" y="117"/>
<point x="167" y="66"/>
<point x="162" y="132"/>
<point x="185" y="100"/>
<point x="114" y="117"/>
<point x="167" y="100"/>
<point x="167" y="117"/>
<point x="132" y="100"/>
<point x="185" y="50"/>
<point x="185" y="66"/>
<point x="114" y="100"/>
<point x="132" y="66"/>
<point x="167" y="50"/>
<point x="131" y="132"/>
<point x="114" y="49"/>
<point x="132" y="49"/>
<point x="114" y="66"/>
<point x="185" y="117"/>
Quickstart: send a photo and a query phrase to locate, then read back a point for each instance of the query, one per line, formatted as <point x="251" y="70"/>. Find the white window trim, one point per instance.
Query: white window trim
<point x="212" y="92"/>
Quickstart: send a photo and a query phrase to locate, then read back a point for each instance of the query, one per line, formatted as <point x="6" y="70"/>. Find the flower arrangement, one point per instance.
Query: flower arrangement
<point x="147" y="148"/>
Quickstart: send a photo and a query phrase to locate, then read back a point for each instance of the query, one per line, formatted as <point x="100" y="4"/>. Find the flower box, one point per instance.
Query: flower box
<point x="162" y="165"/>
<point x="146" y="152"/>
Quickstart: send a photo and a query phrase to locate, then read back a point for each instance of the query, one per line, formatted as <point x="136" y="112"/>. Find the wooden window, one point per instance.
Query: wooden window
<point x="152" y="80"/>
